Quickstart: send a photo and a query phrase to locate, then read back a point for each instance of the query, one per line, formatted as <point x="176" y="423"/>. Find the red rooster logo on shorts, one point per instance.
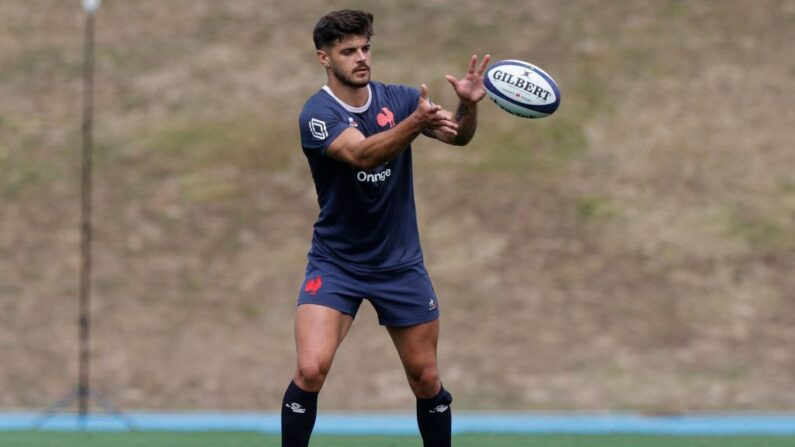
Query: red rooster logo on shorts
<point x="313" y="285"/>
<point x="386" y="117"/>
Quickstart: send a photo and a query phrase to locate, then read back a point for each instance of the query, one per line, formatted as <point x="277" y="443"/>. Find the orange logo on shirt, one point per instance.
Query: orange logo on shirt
<point x="386" y="117"/>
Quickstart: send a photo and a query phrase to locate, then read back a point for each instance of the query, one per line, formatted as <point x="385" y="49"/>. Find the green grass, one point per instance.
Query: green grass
<point x="760" y="229"/>
<point x="548" y="147"/>
<point x="594" y="207"/>
<point x="242" y="439"/>
<point x="242" y="141"/>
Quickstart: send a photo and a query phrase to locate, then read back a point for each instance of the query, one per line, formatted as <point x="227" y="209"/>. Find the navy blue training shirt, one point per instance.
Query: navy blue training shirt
<point x="367" y="220"/>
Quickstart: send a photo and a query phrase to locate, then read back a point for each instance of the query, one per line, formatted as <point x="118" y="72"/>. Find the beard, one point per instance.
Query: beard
<point x="349" y="80"/>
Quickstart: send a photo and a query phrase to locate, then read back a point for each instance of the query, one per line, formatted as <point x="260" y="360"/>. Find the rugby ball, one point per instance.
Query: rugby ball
<point x="522" y="89"/>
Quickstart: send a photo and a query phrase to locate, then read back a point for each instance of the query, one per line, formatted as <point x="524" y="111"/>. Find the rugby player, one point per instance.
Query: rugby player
<point x="356" y="134"/>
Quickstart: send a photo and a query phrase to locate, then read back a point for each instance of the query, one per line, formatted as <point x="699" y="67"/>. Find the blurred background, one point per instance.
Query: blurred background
<point x="634" y="251"/>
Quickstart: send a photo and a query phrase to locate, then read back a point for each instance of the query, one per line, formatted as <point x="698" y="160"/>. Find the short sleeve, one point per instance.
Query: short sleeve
<point x="319" y="127"/>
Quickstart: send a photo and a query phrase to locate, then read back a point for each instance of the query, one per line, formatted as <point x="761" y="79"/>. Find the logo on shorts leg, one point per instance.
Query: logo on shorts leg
<point x="431" y="304"/>
<point x="313" y="285"/>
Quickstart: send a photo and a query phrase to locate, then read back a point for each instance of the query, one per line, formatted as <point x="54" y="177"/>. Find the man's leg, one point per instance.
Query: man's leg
<point x="319" y="330"/>
<point x="416" y="346"/>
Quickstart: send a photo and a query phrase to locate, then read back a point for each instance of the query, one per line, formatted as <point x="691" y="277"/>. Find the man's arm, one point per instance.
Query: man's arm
<point x="470" y="91"/>
<point x="368" y="153"/>
<point x="466" y="115"/>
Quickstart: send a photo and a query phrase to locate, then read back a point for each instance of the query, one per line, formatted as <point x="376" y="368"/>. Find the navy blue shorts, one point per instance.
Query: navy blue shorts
<point x="401" y="298"/>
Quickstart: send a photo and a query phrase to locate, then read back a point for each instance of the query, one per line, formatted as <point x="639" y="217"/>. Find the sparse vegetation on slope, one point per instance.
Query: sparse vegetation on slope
<point x="633" y="251"/>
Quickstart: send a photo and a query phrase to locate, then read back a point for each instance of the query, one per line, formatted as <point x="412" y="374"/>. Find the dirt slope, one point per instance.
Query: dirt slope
<point x="634" y="251"/>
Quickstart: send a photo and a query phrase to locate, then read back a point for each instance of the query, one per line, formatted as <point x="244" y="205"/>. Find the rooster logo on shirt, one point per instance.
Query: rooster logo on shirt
<point x="386" y="117"/>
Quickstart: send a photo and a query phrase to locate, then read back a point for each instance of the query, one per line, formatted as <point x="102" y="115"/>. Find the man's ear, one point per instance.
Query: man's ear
<point x="323" y="58"/>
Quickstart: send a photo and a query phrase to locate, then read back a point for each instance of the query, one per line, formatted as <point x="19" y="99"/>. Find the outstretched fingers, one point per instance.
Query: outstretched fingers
<point x="483" y="64"/>
<point x="448" y="129"/>
<point x="444" y="124"/>
<point x="424" y="97"/>
<point x="472" y="63"/>
<point x="433" y="116"/>
<point x="442" y="121"/>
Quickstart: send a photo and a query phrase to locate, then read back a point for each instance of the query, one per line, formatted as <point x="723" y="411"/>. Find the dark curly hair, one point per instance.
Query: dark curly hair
<point x="337" y="24"/>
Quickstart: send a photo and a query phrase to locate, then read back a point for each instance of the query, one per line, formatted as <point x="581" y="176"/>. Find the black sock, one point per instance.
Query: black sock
<point x="434" y="419"/>
<point x="299" y="409"/>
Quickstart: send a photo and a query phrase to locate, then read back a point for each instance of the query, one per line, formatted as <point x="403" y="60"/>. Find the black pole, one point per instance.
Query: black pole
<point x="83" y="388"/>
<point x="83" y="392"/>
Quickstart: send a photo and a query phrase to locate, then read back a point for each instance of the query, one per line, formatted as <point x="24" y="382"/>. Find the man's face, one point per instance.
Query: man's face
<point x="349" y="60"/>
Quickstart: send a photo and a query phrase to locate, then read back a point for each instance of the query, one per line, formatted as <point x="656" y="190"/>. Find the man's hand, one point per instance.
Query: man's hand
<point x="432" y="117"/>
<point x="470" y="88"/>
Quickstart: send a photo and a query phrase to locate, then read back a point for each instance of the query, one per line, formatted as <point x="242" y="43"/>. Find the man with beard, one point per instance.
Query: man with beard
<point x="357" y="134"/>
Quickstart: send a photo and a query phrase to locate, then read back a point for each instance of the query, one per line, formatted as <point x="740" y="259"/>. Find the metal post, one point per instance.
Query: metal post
<point x="83" y="392"/>
<point x="83" y="388"/>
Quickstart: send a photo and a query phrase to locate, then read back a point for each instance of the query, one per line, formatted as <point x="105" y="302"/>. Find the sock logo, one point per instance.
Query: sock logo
<point x="439" y="409"/>
<point x="295" y="407"/>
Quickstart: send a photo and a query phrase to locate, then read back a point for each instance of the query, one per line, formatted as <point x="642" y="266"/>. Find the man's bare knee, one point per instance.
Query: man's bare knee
<point x="424" y="381"/>
<point x="311" y="375"/>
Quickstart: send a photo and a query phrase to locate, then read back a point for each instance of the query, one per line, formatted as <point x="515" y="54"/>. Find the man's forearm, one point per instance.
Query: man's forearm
<point x="382" y="147"/>
<point x="466" y="115"/>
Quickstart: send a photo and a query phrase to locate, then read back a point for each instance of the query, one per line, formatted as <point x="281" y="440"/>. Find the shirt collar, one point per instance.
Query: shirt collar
<point x="350" y="108"/>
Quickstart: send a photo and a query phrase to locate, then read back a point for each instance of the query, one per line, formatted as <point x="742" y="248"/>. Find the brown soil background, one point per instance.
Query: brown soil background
<point x="634" y="251"/>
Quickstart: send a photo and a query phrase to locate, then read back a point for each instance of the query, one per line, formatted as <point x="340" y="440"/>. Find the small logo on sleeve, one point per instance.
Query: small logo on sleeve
<point x="313" y="285"/>
<point x="352" y="123"/>
<point x="431" y="304"/>
<point x="318" y="129"/>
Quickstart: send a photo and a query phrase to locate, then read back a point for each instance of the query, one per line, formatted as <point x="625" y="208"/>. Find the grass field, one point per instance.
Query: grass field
<point x="242" y="439"/>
